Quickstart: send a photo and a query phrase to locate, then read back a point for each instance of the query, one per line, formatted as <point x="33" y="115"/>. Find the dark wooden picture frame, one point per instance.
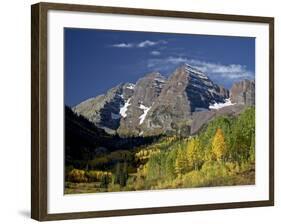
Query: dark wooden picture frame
<point x="39" y="149"/>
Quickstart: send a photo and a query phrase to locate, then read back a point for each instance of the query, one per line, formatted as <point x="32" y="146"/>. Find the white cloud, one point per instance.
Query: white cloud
<point x="146" y="43"/>
<point x="176" y="60"/>
<point x="155" y="53"/>
<point x="231" y="71"/>
<point x="142" y="44"/>
<point x="164" y="63"/>
<point x="123" y="45"/>
<point x="213" y="70"/>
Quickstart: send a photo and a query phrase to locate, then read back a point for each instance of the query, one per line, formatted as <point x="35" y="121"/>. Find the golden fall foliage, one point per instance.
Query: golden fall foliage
<point x="219" y="145"/>
<point x="193" y="153"/>
<point x="222" y="154"/>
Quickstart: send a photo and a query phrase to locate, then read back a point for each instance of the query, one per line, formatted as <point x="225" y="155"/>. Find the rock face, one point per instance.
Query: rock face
<point x="187" y="91"/>
<point x="243" y="92"/>
<point x="104" y="110"/>
<point x="180" y="105"/>
<point x="146" y="91"/>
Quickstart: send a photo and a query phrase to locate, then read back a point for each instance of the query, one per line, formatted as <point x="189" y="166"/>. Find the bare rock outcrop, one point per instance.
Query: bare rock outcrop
<point x="243" y="92"/>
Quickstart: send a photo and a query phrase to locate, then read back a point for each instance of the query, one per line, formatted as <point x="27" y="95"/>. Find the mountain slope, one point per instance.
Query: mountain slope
<point x="187" y="91"/>
<point x="104" y="110"/>
<point x="84" y="137"/>
<point x="147" y="90"/>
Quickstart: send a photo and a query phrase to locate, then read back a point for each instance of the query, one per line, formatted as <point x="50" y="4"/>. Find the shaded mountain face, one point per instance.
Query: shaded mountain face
<point x="104" y="110"/>
<point x="243" y="92"/>
<point x="156" y="105"/>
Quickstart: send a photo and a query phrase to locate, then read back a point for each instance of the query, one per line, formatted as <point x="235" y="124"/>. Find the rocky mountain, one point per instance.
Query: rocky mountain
<point x="181" y="104"/>
<point x="243" y="92"/>
<point x="104" y="110"/>
<point x="187" y="91"/>
<point x="146" y="91"/>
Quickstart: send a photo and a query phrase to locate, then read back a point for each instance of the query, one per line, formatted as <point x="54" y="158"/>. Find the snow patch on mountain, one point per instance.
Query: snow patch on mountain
<point x="124" y="109"/>
<point x="145" y="111"/>
<point x="160" y="80"/>
<point x="131" y="86"/>
<point x="217" y="106"/>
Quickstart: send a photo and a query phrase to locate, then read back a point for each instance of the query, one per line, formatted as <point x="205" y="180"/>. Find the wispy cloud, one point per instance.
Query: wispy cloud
<point x="142" y="44"/>
<point x="230" y="71"/>
<point x="149" y="43"/>
<point x="216" y="71"/>
<point x="146" y="43"/>
<point x="123" y="45"/>
<point x="155" y="53"/>
<point x="165" y="64"/>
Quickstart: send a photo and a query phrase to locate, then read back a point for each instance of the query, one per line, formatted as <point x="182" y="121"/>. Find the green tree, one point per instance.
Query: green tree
<point x="121" y="174"/>
<point x="117" y="173"/>
<point x="125" y="174"/>
<point x="207" y="134"/>
<point x="182" y="163"/>
<point x="170" y="170"/>
<point x="86" y="157"/>
<point x="155" y="166"/>
<point x="104" y="181"/>
<point x="252" y="149"/>
<point x="243" y="136"/>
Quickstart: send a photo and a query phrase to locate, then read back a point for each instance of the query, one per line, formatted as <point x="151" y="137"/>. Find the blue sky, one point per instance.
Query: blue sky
<point x="97" y="60"/>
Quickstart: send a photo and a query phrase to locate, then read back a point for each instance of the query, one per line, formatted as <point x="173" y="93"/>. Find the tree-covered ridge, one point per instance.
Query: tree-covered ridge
<point x="222" y="154"/>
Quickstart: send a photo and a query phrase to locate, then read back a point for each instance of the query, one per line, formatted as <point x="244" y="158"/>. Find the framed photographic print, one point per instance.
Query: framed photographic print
<point x="138" y="111"/>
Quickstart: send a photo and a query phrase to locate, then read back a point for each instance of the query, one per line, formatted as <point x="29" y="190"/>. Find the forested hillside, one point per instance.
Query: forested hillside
<point x="222" y="154"/>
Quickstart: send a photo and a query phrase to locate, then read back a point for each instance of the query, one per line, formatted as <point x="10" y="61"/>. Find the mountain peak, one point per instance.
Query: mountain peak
<point x="152" y="79"/>
<point x="129" y="85"/>
<point x="191" y="70"/>
<point x="154" y="75"/>
<point x="186" y="71"/>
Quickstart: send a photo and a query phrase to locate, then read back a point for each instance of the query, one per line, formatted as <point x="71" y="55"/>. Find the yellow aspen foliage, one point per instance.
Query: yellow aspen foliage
<point x="218" y="145"/>
<point x="181" y="165"/>
<point x="193" y="153"/>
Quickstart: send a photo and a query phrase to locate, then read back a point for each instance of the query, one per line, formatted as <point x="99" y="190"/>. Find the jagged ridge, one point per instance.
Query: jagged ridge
<point x="156" y="105"/>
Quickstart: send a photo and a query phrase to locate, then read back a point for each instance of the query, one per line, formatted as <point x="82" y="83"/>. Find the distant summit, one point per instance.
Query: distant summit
<point x="243" y="92"/>
<point x="104" y="110"/>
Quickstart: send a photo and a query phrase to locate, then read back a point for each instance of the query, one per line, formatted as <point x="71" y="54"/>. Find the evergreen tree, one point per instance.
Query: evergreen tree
<point x="124" y="174"/>
<point x="104" y="181"/>
<point x="117" y="173"/>
<point x="252" y="149"/>
<point x="121" y="174"/>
